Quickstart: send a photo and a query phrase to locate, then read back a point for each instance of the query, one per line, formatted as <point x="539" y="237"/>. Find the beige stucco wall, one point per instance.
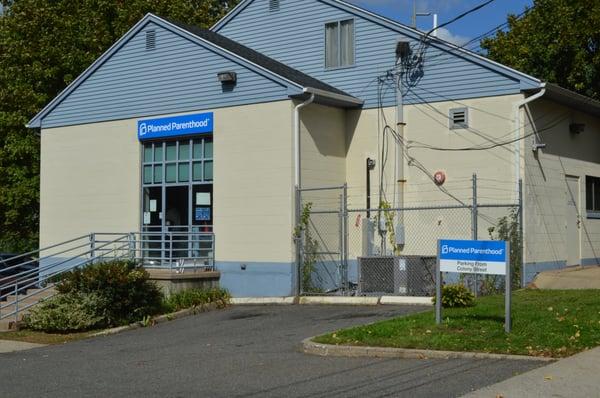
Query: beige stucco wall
<point x="546" y="191"/>
<point x="323" y="146"/>
<point x="90" y="181"/>
<point x="253" y="188"/>
<point x="492" y="118"/>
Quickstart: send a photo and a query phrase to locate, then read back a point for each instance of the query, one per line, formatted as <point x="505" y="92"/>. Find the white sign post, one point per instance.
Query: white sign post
<point x="488" y="257"/>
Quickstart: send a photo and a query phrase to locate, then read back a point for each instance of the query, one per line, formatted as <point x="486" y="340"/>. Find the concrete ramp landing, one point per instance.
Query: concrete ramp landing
<point x="569" y="278"/>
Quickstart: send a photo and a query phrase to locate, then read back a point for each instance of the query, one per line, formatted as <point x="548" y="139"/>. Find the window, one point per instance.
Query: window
<point x="592" y="196"/>
<point x="459" y="118"/>
<point x="176" y="162"/>
<point x="339" y="44"/>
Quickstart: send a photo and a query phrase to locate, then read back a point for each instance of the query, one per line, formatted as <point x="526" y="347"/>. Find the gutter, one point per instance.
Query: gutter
<point x="517" y="108"/>
<point x="333" y="96"/>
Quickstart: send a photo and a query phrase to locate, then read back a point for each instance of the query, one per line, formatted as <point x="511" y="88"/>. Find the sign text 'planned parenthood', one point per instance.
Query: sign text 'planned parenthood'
<point x="199" y="123"/>
<point x="473" y="256"/>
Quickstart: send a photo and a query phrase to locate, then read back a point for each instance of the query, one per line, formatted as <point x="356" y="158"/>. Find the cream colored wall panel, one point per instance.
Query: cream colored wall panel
<point x="491" y="120"/>
<point x="90" y="180"/>
<point x="566" y="154"/>
<point x="323" y="146"/>
<point x="253" y="194"/>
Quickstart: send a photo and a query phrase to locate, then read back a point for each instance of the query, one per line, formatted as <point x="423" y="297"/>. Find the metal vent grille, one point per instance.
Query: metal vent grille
<point x="273" y="5"/>
<point x="150" y="40"/>
<point x="459" y="118"/>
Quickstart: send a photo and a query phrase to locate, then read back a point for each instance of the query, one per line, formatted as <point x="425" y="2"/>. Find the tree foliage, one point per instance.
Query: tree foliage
<point x="44" y="45"/>
<point x="556" y="41"/>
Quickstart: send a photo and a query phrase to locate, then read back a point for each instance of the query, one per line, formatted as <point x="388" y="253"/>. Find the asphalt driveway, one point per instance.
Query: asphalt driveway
<point x="240" y="352"/>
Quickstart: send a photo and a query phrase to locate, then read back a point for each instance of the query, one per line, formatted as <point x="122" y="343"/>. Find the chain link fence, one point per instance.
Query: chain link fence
<point x="392" y="251"/>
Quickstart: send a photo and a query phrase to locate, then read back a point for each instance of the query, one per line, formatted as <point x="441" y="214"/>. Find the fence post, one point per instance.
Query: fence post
<point x="521" y="237"/>
<point x="92" y="247"/>
<point x="474" y="227"/>
<point x="343" y="223"/>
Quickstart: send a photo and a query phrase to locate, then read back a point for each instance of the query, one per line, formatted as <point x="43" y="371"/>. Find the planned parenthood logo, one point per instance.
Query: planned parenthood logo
<point x="142" y="129"/>
<point x="200" y="123"/>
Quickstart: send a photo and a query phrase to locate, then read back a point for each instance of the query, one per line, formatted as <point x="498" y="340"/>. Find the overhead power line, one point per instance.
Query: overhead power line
<point x="460" y="16"/>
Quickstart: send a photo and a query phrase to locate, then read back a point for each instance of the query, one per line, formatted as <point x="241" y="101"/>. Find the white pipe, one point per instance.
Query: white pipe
<point x="297" y="109"/>
<point x="517" y="107"/>
<point x="435" y="25"/>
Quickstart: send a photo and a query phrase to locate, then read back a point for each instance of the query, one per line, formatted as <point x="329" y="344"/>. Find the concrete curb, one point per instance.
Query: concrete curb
<point x="310" y="347"/>
<point x="338" y="300"/>
<point x="159" y="319"/>
<point x="332" y="300"/>
<point x="405" y="300"/>
<point x="263" y="300"/>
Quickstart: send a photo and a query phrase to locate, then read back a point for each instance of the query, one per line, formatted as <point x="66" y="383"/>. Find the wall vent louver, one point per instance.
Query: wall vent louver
<point x="150" y="40"/>
<point x="273" y="5"/>
<point x="459" y="118"/>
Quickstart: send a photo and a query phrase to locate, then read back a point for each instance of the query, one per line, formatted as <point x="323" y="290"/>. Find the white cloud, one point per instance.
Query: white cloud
<point x="445" y="34"/>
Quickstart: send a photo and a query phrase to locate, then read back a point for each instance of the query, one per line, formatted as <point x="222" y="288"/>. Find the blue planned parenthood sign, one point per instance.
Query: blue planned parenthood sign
<point x="473" y="256"/>
<point x="199" y="123"/>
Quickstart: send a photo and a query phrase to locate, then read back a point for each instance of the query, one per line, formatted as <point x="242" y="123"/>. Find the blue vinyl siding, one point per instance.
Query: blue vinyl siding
<point x="178" y="76"/>
<point x="295" y="36"/>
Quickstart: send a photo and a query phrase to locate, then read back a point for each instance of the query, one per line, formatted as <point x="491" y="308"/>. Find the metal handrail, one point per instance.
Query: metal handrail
<point x="40" y="290"/>
<point x="176" y="250"/>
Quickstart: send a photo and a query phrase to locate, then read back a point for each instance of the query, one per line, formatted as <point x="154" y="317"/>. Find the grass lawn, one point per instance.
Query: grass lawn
<point x="551" y="323"/>
<point x="31" y="336"/>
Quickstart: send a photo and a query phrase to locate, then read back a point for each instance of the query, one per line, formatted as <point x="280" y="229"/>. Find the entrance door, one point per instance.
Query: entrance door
<point x="573" y="222"/>
<point x="177" y="219"/>
<point x="152" y="224"/>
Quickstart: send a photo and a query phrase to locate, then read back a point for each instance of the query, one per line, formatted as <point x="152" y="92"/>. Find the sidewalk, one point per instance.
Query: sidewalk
<point x="569" y="278"/>
<point x="573" y="377"/>
<point x="11" y="346"/>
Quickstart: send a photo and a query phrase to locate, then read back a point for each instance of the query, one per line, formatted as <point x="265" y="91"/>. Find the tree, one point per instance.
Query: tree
<point x="44" y="45"/>
<point x="556" y="41"/>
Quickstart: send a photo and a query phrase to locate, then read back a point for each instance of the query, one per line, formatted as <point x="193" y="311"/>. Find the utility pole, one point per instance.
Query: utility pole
<point x="402" y="53"/>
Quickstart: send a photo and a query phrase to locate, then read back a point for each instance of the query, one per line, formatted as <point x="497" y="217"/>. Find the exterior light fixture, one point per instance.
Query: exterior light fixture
<point x="227" y="77"/>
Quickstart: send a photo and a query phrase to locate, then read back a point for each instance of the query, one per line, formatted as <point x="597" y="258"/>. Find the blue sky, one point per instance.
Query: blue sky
<point x="459" y="32"/>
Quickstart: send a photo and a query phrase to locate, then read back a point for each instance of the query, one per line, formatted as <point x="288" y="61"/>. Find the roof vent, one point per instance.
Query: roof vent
<point x="150" y="40"/>
<point x="459" y="118"/>
<point x="273" y="5"/>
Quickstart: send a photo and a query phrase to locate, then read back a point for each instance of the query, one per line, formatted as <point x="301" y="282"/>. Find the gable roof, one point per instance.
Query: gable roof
<point x="299" y="84"/>
<point x="526" y="81"/>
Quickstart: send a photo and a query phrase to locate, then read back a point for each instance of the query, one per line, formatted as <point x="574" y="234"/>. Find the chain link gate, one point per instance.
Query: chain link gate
<point x="321" y="240"/>
<point x="343" y="251"/>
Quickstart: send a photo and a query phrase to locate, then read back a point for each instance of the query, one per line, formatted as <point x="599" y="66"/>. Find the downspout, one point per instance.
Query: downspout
<point x="517" y="107"/>
<point x="297" y="186"/>
<point x="297" y="176"/>
<point x="519" y="186"/>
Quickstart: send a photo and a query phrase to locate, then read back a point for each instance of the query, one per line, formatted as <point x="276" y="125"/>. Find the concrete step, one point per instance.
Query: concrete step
<point x="6" y="325"/>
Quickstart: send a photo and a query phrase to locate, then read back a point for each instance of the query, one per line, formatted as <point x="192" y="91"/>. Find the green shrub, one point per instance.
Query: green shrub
<point x="68" y="312"/>
<point x="125" y="289"/>
<point x="195" y="297"/>
<point x="456" y="296"/>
